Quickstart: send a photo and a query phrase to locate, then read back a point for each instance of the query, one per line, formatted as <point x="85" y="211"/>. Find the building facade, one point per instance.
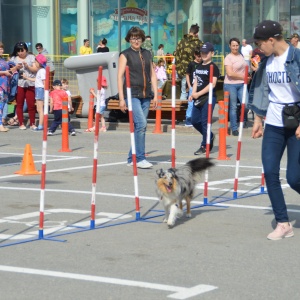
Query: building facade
<point x="61" y="25"/>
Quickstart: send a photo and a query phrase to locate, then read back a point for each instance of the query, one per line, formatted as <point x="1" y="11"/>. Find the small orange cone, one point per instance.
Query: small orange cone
<point x="27" y="167"/>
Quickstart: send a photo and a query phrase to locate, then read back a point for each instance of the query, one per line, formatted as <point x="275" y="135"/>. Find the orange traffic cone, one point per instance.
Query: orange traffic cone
<point x="27" y="167"/>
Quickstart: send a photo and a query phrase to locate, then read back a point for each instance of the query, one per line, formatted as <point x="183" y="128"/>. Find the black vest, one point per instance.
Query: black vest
<point x="140" y="64"/>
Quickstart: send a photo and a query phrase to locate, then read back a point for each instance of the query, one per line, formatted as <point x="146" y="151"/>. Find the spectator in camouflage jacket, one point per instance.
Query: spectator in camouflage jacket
<point x="185" y="54"/>
<point x="148" y="45"/>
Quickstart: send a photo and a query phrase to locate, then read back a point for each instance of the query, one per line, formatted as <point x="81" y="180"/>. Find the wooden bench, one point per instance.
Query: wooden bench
<point x="77" y="104"/>
<point x="166" y="109"/>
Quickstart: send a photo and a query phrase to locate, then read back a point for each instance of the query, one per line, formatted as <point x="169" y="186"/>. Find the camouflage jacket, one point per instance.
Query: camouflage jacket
<point x="185" y="53"/>
<point x="148" y="46"/>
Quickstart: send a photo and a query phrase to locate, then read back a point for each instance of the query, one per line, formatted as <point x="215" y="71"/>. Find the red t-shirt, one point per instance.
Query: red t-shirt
<point x="57" y="97"/>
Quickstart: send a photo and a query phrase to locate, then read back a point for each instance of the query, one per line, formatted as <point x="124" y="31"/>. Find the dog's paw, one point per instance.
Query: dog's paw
<point x="170" y="224"/>
<point x="188" y="215"/>
<point x="171" y="221"/>
<point x="172" y="215"/>
<point x="179" y="213"/>
<point x="165" y="220"/>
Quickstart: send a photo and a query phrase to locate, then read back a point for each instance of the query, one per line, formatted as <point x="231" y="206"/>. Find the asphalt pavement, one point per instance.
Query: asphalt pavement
<point x="220" y="253"/>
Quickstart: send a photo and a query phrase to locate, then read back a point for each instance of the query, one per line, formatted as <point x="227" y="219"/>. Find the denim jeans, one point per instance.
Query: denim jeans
<point x="199" y="119"/>
<point x="2" y="105"/>
<point x="188" y="113"/>
<point x="140" y="110"/>
<point x="235" y="94"/>
<point x="275" y="140"/>
<point x="184" y="94"/>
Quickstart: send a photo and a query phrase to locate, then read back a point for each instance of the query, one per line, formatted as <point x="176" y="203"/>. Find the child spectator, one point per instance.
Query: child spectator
<point x="200" y="95"/>
<point x="65" y="87"/>
<point x="40" y="63"/>
<point x="56" y="99"/>
<point x="160" y="52"/>
<point x="190" y="74"/>
<point x="161" y="74"/>
<point x="102" y="104"/>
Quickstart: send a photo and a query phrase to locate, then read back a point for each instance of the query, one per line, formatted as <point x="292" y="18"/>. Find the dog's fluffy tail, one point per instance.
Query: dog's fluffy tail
<point x="199" y="164"/>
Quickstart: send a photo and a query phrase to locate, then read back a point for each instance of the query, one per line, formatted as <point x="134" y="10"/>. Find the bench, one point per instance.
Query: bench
<point x="77" y="104"/>
<point x="166" y="109"/>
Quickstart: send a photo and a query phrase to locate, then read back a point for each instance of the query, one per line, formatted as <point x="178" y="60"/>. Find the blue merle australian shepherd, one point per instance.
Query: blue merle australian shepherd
<point x="174" y="185"/>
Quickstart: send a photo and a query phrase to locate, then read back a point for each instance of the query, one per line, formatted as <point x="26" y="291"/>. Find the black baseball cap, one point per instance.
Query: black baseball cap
<point x="207" y="47"/>
<point x="57" y="82"/>
<point x="267" y="29"/>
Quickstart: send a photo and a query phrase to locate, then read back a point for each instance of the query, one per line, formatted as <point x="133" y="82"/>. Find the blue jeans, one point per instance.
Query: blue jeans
<point x="5" y="111"/>
<point x="184" y="94"/>
<point x="199" y="120"/>
<point x="140" y="110"/>
<point x="188" y="113"/>
<point x="2" y="105"/>
<point x="275" y="140"/>
<point x="235" y="94"/>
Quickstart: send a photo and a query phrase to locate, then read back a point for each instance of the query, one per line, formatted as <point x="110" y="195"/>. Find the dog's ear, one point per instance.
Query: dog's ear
<point x="160" y="173"/>
<point x="172" y="171"/>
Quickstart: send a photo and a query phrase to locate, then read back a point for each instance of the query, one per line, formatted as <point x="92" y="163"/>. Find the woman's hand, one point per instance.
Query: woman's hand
<point x="154" y="101"/>
<point x="19" y="66"/>
<point x="122" y="105"/>
<point x="7" y="73"/>
<point x="257" y="129"/>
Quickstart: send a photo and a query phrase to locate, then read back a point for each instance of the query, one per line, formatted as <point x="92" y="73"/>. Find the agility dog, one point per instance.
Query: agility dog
<point x="174" y="185"/>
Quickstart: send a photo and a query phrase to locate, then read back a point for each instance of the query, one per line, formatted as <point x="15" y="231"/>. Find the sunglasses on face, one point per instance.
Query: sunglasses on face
<point x="20" y="50"/>
<point x="37" y="48"/>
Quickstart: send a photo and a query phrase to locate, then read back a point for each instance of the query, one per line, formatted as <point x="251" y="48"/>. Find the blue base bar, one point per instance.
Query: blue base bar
<point x="32" y="240"/>
<point x="137" y="215"/>
<point x="92" y="224"/>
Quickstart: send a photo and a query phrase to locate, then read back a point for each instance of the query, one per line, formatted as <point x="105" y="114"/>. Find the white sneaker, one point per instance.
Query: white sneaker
<point x="144" y="164"/>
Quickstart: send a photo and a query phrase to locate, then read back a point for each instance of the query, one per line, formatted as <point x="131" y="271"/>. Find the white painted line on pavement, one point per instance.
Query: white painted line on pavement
<point x="48" y="155"/>
<point x="147" y="197"/>
<point x="180" y="292"/>
<point x="67" y="169"/>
